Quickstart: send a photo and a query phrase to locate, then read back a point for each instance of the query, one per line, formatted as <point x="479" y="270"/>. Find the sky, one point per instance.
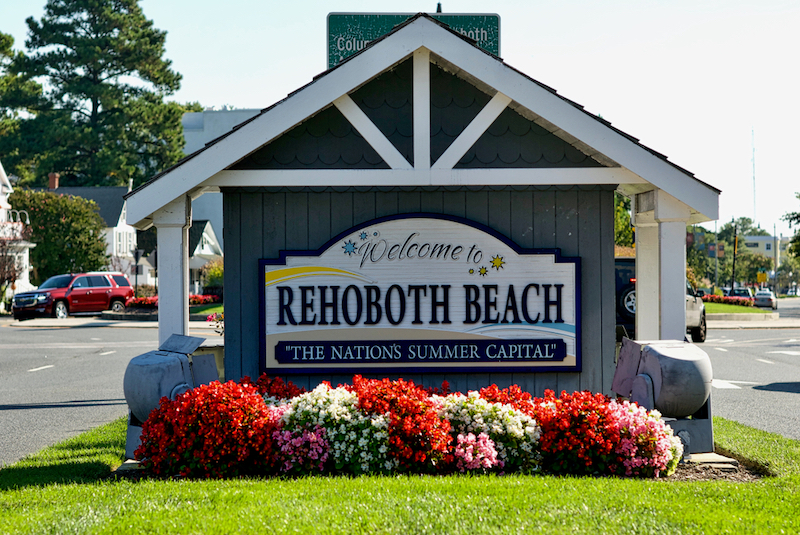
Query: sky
<point x="711" y="84"/>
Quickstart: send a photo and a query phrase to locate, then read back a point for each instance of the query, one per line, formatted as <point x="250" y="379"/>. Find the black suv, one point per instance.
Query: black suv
<point x="625" y="274"/>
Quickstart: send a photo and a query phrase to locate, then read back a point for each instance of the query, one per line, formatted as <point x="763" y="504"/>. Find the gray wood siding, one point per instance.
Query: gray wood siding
<point x="259" y="223"/>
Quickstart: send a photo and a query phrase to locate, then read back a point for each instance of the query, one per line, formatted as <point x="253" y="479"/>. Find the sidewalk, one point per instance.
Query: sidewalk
<point x="204" y="327"/>
<point x="744" y="321"/>
<point x="751" y="321"/>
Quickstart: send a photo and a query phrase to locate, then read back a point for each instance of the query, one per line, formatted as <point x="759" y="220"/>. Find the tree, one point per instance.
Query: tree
<point x="794" y="219"/>
<point x="623" y="231"/>
<point x="749" y="265"/>
<point x="67" y="231"/>
<point x="788" y="272"/>
<point x="18" y="96"/>
<point x="697" y="260"/>
<point x="744" y="226"/>
<point x="102" y="119"/>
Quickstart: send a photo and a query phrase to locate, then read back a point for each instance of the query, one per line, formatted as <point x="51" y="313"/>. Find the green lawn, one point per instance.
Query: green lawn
<point x="61" y="490"/>
<point x="723" y="308"/>
<point x="214" y="308"/>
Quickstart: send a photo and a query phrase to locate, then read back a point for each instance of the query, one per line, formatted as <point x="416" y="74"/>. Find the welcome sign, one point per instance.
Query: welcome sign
<point x="420" y="293"/>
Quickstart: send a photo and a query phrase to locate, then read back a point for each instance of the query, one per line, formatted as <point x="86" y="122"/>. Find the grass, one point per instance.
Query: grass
<point x="62" y="490"/>
<point x="724" y="308"/>
<point x="214" y="308"/>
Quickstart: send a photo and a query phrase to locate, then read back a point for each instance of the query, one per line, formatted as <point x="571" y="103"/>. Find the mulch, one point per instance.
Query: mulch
<point x="685" y="472"/>
<point x="701" y="472"/>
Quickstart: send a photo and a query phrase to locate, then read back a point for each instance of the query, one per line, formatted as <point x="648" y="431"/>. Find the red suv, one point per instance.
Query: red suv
<point x="76" y="293"/>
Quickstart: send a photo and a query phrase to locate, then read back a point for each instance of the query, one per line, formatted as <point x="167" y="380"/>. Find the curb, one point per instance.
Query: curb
<point x="147" y="316"/>
<point x="771" y="316"/>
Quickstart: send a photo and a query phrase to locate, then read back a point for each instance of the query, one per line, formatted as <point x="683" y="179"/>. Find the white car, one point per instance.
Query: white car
<point x="765" y="298"/>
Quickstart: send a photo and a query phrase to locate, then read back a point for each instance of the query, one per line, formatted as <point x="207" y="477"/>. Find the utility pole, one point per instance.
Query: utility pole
<point x="735" y="248"/>
<point x="775" y="257"/>
<point x="753" y="140"/>
<point x="716" y="257"/>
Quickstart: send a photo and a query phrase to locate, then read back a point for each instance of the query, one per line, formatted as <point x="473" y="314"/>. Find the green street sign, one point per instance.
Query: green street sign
<point x="349" y="33"/>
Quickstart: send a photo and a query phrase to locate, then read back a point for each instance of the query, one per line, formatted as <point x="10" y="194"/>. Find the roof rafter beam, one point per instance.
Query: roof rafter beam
<point x="434" y="177"/>
<point x="371" y="133"/>
<point x="473" y="132"/>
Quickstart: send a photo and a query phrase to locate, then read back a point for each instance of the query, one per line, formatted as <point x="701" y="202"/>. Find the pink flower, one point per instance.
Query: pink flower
<point x="476" y="453"/>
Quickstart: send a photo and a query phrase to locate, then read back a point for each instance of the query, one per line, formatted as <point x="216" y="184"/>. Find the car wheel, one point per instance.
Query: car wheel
<point x="628" y="302"/>
<point x="60" y="310"/>
<point x="118" y="307"/>
<point x="699" y="332"/>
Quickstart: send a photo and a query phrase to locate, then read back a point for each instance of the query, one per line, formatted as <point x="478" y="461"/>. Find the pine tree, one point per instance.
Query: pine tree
<point x="104" y="119"/>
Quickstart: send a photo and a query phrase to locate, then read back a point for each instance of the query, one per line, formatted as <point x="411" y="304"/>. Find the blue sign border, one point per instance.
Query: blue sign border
<point x="281" y="261"/>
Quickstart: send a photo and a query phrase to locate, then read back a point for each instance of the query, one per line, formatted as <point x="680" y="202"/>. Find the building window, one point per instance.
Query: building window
<point x="768" y="246"/>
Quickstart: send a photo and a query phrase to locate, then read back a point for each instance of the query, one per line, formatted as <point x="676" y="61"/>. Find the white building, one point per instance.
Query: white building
<point x="120" y="237"/>
<point x="12" y="223"/>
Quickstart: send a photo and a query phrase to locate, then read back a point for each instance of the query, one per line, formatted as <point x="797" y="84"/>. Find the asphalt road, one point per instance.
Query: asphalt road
<point x="59" y="378"/>
<point x="757" y="373"/>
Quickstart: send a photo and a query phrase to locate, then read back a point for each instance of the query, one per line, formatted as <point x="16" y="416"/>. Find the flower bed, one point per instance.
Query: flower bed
<point x="152" y="302"/>
<point x="272" y="427"/>
<point x="729" y="300"/>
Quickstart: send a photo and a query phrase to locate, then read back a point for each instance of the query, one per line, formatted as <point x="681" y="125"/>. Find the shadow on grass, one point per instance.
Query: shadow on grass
<point x="21" y="475"/>
<point x="86" y="458"/>
<point x="65" y="404"/>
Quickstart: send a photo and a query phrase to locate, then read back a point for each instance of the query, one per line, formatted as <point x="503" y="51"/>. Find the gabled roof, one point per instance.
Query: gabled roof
<point x="110" y="200"/>
<point x="5" y="189"/>
<point x="599" y="153"/>
<point x="196" y="231"/>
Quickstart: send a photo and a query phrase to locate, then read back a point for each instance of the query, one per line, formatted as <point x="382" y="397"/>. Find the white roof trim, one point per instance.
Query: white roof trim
<point x="474" y="130"/>
<point x="434" y="177"/>
<point x="205" y="169"/>
<point x="371" y="133"/>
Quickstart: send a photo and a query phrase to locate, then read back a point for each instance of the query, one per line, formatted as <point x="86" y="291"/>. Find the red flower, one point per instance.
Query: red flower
<point x="579" y="432"/>
<point x="214" y="430"/>
<point x="418" y="437"/>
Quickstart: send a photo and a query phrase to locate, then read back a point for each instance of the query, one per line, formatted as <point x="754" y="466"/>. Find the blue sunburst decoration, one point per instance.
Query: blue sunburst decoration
<point x="363" y="235"/>
<point x="349" y="247"/>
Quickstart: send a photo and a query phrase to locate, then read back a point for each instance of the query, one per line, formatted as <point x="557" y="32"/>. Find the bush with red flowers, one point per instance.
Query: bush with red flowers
<point x="152" y="302"/>
<point x="578" y="433"/>
<point x="513" y="396"/>
<point x="418" y="437"/>
<point x="214" y="430"/>
<point x="276" y="388"/>
<point x="144" y="302"/>
<point x="729" y="300"/>
<point x="203" y="299"/>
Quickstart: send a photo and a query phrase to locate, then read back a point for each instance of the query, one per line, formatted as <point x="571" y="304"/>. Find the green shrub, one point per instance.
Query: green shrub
<point x="213" y="273"/>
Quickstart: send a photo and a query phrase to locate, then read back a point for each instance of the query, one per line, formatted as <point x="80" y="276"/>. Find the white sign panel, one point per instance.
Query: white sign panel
<point x="420" y="293"/>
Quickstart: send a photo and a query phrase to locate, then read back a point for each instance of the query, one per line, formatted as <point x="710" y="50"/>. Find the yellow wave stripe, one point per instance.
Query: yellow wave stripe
<point x="282" y="275"/>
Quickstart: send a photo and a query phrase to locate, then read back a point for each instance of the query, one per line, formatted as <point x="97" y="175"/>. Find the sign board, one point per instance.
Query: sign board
<point x="349" y="33"/>
<point x="420" y="293"/>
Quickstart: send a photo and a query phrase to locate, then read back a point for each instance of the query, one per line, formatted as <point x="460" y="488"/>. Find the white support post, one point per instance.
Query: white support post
<point x="661" y="270"/>
<point x="647" y="270"/>
<point x="422" y="109"/>
<point x="172" y="223"/>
